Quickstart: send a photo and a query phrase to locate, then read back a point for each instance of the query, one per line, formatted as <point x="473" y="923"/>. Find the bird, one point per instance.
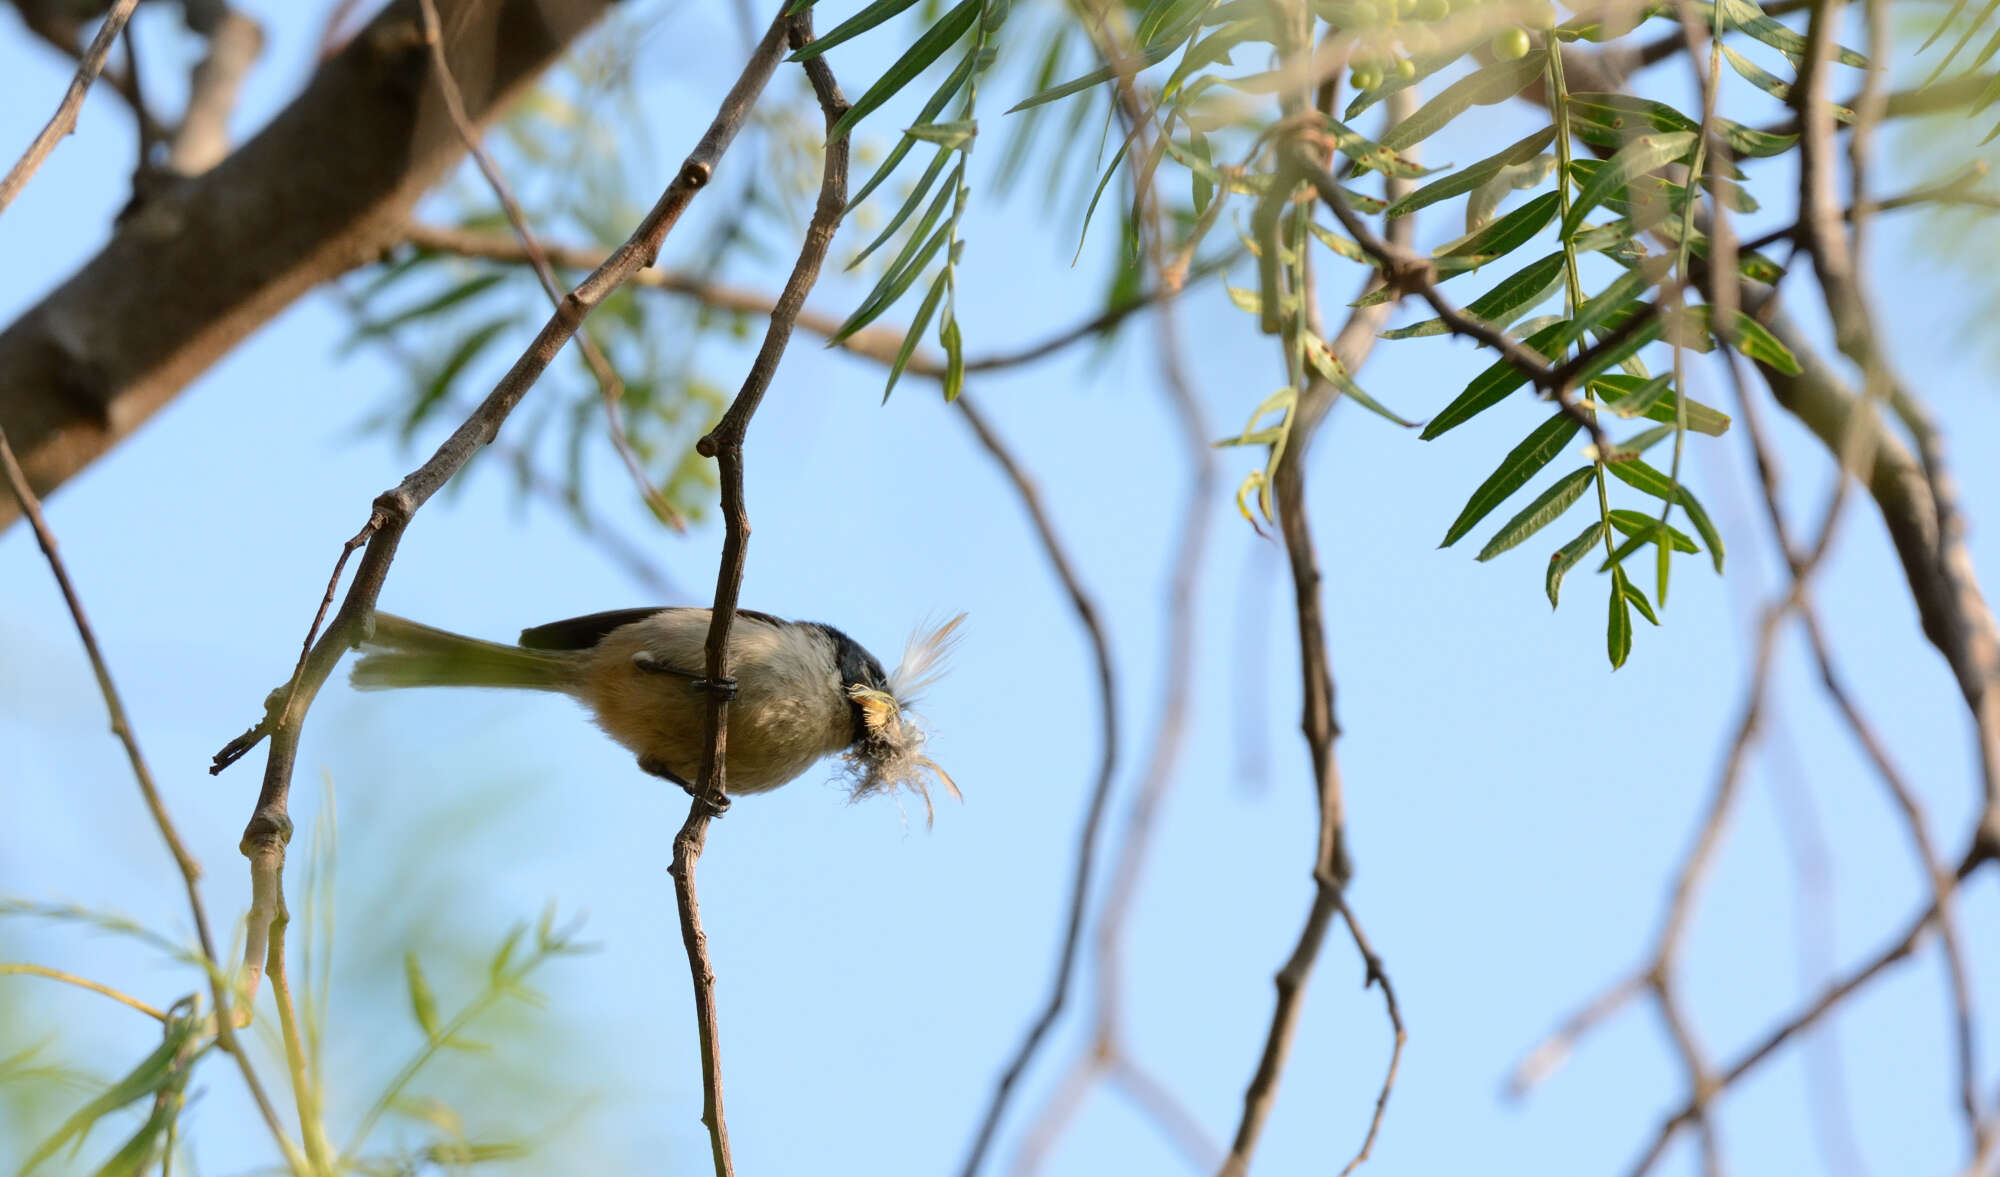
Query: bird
<point x="799" y="691"/>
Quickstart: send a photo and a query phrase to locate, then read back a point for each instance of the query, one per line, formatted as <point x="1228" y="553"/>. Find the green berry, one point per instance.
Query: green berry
<point x="1366" y="77"/>
<point x="1511" y="44"/>
<point x="1433" y="10"/>
<point x="1405" y="68"/>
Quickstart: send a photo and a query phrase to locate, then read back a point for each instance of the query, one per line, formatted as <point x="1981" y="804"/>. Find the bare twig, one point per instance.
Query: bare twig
<point x="610" y="387"/>
<point x="1105" y="1055"/>
<point x="724" y="443"/>
<point x="64" y="119"/>
<point x="269" y="828"/>
<point x="875" y="343"/>
<point x="121" y="726"/>
<point x="1331" y="865"/>
<point x="1107" y="683"/>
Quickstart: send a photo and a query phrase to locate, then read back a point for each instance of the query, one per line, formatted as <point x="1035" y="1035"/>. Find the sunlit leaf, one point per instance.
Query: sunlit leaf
<point x="1522" y="462"/>
<point x="1546" y="508"/>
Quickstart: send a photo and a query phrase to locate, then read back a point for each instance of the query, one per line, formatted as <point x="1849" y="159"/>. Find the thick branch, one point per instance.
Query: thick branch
<point x="322" y="189"/>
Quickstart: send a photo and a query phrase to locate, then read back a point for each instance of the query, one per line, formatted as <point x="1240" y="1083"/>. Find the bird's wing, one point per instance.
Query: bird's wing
<point x="581" y="633"/>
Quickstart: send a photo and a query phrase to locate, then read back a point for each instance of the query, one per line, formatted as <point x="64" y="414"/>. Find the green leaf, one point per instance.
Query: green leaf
<point x="1565" y="558"/>
<point x="1323" y="361"/>
<point x="423" y="1003"/>
<point x="1511" y="230"/>
<point x="1473" y="175"/>
<point x="1522" y="462"/>
<point x="439" y="385"/>
<point x="1368" y="154"/>
<point x="1110" y="170"/>
<point x="1703" y="526"/>
<point x="1639" y="525"/>
<point x="1757" y="342"/>
<point x="1618" y="632"/>
<point x="1097" y="77"/>
<point x="918" y="58"/>
<point x="451" y="297"/>
<point x="1501" y="305"/>
<point x="1491" y="387"/>
<point x="916" y="332"/>
<point x="1483" y="87"/>
<point x="952" y="84"/>
<point x="1546" y="509"/>
<point x="892" y="286"/>
<point x="1638" y="598"/>
<point x="1773" y="85"/>
<point x="1610" y="120"/>
<point x="909" y="205"/>
<point x="1633" y="396"/>
<point x="151" y="1075"/>
<point x="954" y="358"/>
<point x="1635" y="159"/>
<point x="1747" y="16"/>
<point x="952" y="136"/>
<point x="874" y="14"/>
<point x="1641" y="476"/>
<point x="1339" y="244"/>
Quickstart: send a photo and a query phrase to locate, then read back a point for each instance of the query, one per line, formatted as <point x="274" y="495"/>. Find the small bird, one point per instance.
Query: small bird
<point x="801" y="690"/>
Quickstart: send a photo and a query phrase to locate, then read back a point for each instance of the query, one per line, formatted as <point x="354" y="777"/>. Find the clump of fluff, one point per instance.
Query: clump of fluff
<point x="890" y="755"/>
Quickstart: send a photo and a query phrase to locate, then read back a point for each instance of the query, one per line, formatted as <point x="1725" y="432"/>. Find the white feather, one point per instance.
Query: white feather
<point x="892" y="756"/>
<point x="923" y="660"/>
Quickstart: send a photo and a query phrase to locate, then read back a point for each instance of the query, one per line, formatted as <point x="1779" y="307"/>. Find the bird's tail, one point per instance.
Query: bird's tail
<point x="402" y="653"/>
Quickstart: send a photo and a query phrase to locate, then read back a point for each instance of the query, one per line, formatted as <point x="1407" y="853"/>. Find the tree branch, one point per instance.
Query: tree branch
<point x="610" y="387"/>
<point x="724" y="443"/>
<point x="323" y="188"/>
<point x="270" y="826"/>
<point x="1107" y="765"/>
<point x="63" y="121"/>
<point x="121" y="727"/>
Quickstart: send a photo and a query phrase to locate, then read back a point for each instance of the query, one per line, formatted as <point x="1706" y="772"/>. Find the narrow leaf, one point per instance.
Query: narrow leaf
<point x="1483" y="87"/>
<point x="918" y="58"/>
<point x="1473" y="175"/>
<point x="1618" y="631"/>
<point x="1096" y="77"/>
<point x="1639" y="525"/>
<point x="1546" y="509"/>
<point x="1635" y="159"/>
<point x="1511" y="230"/>
<point x="1565" y="558"/>
<point x="1491" y="387"/>
<point x="874" y="14"/>
<point x="1522" y="462"/>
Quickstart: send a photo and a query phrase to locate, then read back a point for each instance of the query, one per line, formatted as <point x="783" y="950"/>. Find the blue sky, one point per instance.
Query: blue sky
<point x="1517" y="810"/>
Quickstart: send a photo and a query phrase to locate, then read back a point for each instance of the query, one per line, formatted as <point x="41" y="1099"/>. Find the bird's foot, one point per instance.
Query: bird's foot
<point x="659" y="768"/>
<point x="723" y="688"/>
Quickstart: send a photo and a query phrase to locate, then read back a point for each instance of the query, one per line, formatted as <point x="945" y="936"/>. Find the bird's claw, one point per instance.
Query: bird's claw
<point x="723" y="688"/>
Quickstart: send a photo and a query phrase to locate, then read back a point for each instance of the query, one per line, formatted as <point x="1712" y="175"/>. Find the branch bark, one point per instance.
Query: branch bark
<point x="323" y="188"/>
<point x="724" y="443"/>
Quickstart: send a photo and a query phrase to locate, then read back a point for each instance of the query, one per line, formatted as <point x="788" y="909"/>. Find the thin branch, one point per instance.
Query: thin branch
<point x="1331" y="865"/>
<point x="724" y="443"/>
<point x="121" y="726"/>
<point x="125" y="999"/>
<point x="64" y="119"/>
<point x="270" y="826"/>
<point x="610" y="387"/>
<point x="1107" y="686"/>
<point x="874" y="343"/>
